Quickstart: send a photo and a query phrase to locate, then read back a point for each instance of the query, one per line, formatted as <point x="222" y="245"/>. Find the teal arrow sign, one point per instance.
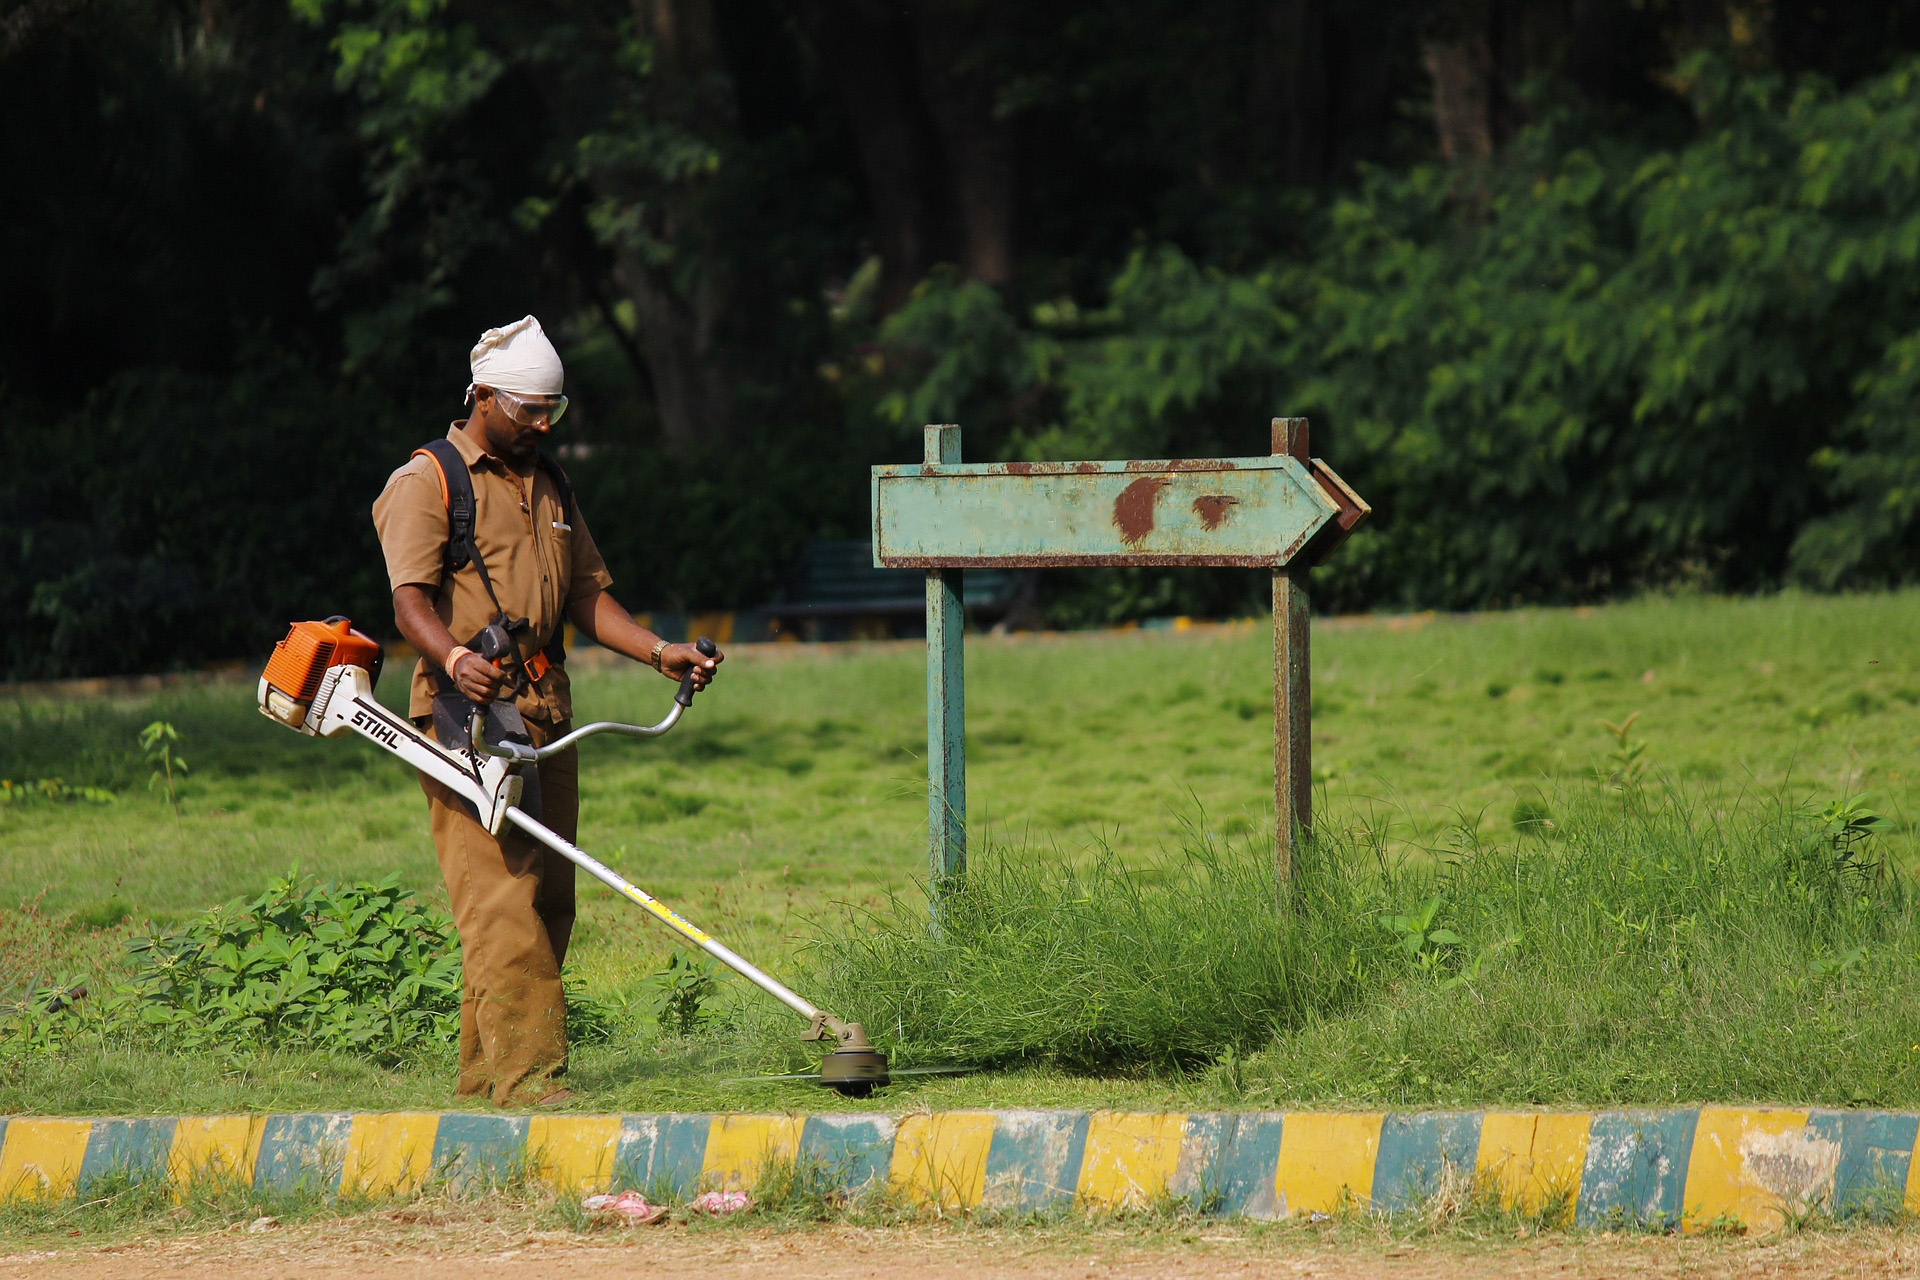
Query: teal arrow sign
<point x="1248" y="512"/>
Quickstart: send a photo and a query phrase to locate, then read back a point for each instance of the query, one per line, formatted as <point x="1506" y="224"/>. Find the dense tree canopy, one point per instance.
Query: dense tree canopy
<point x="1584" y="295"/>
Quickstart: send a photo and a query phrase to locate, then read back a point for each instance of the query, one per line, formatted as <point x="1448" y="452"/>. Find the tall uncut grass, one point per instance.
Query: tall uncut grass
<point x="1639" y="948"/>
<point x="1100" y="966"/>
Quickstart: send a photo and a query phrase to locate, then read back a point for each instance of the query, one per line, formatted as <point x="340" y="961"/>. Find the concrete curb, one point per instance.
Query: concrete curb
<point x="1687" y="1168"/>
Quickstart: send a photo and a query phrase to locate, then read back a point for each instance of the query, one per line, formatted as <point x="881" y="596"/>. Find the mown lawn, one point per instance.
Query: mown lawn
<point x="798" y="783"/>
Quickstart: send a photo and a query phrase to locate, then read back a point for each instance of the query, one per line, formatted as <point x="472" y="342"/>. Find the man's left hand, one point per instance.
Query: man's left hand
<point x="678" y="659"/>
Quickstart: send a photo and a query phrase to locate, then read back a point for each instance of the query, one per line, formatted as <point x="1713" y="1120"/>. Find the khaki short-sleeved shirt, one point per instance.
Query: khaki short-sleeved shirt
<point x="538" y="560"/>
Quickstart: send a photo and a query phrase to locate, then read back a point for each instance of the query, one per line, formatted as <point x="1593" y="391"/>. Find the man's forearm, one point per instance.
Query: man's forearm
<point x="474" y="676"/>
<point x="601" y="619"/>
<point x="413" y="614"/>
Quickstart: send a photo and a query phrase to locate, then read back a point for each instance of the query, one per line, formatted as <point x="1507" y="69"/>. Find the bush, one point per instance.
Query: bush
<point x="365" y="969"/>
<point x="262" y="518"/>
<point x="359" y="968"/>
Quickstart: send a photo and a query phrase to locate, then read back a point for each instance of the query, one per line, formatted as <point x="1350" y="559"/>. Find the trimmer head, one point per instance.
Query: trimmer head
<point x="854" y="1068"/>
<point x="854" y="1074"/>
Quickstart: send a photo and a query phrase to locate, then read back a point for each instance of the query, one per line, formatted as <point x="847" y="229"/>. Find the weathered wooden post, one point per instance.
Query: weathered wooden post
<point x="946" y="702"/>
<point x="1292" y="681"/>
<point x="1284" y="513"/>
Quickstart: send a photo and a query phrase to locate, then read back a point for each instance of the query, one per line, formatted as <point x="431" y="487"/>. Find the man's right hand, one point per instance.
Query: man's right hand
<point x="477" y="678"/>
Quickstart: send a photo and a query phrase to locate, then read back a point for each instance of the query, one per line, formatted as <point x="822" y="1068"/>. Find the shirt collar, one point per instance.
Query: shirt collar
<point x="475" y="456"/>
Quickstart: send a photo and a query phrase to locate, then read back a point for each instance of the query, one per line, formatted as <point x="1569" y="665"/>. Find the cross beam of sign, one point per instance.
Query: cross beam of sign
<point x="1284" y="512"/>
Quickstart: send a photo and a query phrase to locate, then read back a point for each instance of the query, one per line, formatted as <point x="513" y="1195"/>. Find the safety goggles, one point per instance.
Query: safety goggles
<point x="531" y="410"/>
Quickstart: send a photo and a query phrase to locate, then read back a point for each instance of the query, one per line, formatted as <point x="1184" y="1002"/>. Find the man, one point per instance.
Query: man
<point x="534" y="565"/>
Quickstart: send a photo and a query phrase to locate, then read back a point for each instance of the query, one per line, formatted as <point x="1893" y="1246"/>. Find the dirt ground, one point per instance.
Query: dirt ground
<point x="355" y="1249"/>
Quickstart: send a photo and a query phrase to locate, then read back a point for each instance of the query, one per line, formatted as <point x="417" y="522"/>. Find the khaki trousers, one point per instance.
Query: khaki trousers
<point x="513" y="905"/>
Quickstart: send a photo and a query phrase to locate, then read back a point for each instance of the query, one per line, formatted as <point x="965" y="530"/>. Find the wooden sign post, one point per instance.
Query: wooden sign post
<point x="1283" y="512"/>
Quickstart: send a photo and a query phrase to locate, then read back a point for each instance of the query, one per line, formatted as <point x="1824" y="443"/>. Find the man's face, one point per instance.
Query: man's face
<point x="506" y="438"/>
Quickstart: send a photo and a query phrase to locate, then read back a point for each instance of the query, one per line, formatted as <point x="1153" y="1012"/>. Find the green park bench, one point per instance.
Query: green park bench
<point x="837" y="594"/>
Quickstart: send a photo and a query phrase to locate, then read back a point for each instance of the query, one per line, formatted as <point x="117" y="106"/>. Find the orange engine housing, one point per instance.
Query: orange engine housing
<point x="299" y="661"/>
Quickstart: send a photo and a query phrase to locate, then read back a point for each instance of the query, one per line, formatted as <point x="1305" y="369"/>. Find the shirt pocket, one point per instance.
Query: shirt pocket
<point x="558" y="541"/>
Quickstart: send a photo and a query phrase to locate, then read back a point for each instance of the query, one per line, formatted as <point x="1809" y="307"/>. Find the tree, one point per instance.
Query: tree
<point x="584" y="140"/>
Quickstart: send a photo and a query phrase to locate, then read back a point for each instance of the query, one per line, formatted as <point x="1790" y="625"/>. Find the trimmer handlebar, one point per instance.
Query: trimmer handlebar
<point x="682" y="699"/>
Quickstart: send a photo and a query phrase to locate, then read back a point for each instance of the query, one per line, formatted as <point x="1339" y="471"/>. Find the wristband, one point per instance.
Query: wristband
<point x="653" y="659"/>
<point x="454" y="655"/>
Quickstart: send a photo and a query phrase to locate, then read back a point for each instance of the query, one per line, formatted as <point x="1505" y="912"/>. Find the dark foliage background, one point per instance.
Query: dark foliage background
<point x="1585" y="296"/>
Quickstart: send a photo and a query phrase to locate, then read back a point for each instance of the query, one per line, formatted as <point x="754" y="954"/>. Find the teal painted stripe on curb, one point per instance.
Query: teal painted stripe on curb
<point x="302" y="1151"/>
<point x="1034" y="1159"/>
<point x="1417" y="1150"/>
<point x="132" y="1149"/>
<point x="661" y="1151"/>
<point x="470" y="1147"/>
<point x="856" y="1151"/>
<point x="1875" y="1156"/>
<point x="1636" y="1168"/>
<point x="1231" y="1160"/>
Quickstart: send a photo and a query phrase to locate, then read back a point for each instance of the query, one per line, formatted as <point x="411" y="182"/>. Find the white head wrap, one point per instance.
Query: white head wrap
<point x="517" y="358"/>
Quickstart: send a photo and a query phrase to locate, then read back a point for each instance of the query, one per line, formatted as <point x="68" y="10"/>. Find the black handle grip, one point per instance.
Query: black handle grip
<point x="493" y="643"/>
<point x="685" y="695"/>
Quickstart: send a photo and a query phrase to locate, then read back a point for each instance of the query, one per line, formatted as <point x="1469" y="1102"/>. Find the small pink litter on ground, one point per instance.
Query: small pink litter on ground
<point x="718" y="1202"/>
<point x="628" y="1205"/>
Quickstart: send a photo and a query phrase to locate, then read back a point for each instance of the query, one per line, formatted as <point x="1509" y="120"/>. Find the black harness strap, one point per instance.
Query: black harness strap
<point x="461" y="550"/>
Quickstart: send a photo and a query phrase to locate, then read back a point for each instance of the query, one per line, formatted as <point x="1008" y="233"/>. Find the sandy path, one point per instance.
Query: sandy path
<point x="362" y="1250"/>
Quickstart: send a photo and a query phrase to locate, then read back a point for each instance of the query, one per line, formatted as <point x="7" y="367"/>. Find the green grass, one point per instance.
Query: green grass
<point x="798" y="783"/>
<point x="1643" y="949"/>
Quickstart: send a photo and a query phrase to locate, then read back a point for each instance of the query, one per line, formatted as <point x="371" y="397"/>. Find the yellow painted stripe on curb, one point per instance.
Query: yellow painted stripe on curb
<point x="1326" y="1161"/>
<point x="219" y="1149"/>
<point x="1754" y="1165"/>
<point x="1534" y="1161"/>
<point x="41" y="1158"/>
<point x="573" y="1153"/>
<point x="941" y="1159"/>
<point x="739" y="1147"/>
<point x="1130" y="1157"/>
<point x="389" y="1154"/>
<point x="717" y="626"/>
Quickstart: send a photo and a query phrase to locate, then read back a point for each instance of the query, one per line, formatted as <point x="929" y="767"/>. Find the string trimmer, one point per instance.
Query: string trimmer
<point x="320" y="682"/>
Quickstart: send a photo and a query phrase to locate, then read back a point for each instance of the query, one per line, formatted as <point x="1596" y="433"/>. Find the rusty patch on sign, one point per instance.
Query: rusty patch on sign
<point x="1212" y="508"/>
<point x="1181" y="464"/>
<point x="1086" y="468"/>
<point x="1133" y="509"/>
<point x="1019" y="468"/>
